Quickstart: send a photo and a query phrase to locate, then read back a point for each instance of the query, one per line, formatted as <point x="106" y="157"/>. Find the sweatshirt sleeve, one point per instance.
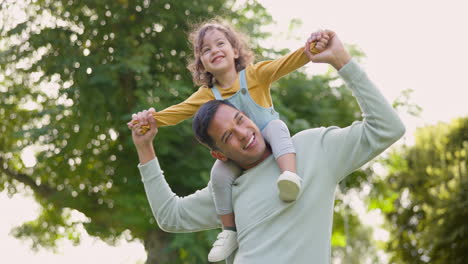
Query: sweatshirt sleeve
<point x="182" y="111"/>
<point x="347" y="149"/>
<point x="176" y="214"/>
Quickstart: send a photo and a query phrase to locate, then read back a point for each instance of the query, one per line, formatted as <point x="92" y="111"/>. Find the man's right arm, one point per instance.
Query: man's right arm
<point x="173" y="214"/>
<point x="192" y="213"/>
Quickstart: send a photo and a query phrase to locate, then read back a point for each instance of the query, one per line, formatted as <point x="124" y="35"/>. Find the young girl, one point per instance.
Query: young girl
<point x="223" y="67"/>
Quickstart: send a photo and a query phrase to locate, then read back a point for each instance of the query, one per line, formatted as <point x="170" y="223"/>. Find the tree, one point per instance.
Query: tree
<point x="72" y="73"/>
<point x="425" y="196"/>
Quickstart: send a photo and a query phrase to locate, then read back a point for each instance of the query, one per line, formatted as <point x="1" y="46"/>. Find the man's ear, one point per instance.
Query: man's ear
<point x="218" y="155"/>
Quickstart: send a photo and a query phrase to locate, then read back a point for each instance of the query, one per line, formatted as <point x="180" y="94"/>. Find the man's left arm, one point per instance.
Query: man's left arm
<point x="347" y="149"/>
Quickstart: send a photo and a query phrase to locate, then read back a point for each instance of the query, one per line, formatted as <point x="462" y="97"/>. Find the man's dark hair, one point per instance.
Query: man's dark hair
<point x="202" y="120"/>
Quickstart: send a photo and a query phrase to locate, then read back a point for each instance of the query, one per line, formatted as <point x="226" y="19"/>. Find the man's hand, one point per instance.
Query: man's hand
<point x="320" y="43"/>
<point x="334" y="53"/>
<point x="144" y="142"/>
<point x="143" y="128"/>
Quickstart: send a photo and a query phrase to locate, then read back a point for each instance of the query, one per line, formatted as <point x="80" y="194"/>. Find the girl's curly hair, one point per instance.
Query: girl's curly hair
<point x="237" y="39"/>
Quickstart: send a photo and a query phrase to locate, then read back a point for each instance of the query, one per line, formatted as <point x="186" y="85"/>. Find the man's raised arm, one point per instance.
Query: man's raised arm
<point x="174" y="214"/>
<point x="347" y="149"/>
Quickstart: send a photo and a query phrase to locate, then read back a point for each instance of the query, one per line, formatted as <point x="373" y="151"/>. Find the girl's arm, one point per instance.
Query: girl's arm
<point x="179" y="112"/>
<point x="261" y="75"/>
<point x="271" y="70"/>
<point x="182" y="111"/>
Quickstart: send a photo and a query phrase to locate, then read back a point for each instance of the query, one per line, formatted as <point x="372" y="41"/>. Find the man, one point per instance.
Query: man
<point x="269" y="230"/>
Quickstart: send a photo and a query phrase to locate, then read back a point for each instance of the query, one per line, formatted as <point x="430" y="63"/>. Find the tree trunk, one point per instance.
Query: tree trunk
<point x="157" y="248"/>
<point x="128" y="85"/>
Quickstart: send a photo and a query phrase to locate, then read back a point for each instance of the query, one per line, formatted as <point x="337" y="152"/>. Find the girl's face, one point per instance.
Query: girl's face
<point x="217" y="54"/>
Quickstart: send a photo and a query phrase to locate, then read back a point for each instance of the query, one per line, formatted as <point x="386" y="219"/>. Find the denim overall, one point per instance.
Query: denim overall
<point x="261" y="116"/>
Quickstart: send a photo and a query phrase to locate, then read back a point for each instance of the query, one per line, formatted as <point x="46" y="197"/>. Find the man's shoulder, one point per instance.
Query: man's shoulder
<point x="308" y="134"/>
<point x="308" y="138"/>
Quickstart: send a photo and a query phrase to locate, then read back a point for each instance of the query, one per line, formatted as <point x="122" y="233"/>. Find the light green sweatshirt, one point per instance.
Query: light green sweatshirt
<point x="272" y="231"/>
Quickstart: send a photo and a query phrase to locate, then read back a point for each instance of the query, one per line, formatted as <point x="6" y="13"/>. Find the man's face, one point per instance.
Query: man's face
<point x="237" y="138"/>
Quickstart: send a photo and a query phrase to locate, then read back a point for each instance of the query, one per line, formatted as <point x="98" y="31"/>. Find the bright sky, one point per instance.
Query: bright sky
<point x="415" y="44"/>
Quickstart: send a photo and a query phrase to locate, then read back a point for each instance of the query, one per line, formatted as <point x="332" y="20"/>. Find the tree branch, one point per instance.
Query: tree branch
<point x="42" y="190"/>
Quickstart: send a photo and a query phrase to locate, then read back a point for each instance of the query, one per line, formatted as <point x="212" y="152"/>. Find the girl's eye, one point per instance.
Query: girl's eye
<point x="228" y="137"/>
<point x="221" y="43"/>
<point x="205" y="51"/>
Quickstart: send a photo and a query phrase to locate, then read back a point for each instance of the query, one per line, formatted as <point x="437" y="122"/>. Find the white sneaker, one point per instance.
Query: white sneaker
<point x="225" y="244"/>
<point x="289" y="186"/>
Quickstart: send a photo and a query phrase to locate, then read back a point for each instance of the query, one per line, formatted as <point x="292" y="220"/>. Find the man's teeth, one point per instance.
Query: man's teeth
<point x="250" y="141"/>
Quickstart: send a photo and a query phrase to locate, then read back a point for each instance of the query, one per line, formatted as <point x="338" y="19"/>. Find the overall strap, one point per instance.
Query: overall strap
<point x="216" y="93"/>
<point x="243" y="80"/>
<point x="242" y="83"/>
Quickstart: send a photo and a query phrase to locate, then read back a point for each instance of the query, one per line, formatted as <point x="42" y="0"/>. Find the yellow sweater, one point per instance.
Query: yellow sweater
<point x="259" y="77"/>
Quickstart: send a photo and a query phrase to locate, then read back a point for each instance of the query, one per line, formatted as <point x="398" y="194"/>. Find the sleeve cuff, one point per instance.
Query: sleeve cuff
<point x="351" y="72"/>
<point x="149" y="170"/>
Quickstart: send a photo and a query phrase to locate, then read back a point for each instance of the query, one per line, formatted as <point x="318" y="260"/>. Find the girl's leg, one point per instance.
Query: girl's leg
<point x="223" y="175"/>
<point x="287" y="162"/>
<point x="228" y="221"/>
<point x="276" y="133"/>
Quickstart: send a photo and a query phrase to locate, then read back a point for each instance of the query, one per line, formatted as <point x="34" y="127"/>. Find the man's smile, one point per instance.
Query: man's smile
<point x="251" y="141"/>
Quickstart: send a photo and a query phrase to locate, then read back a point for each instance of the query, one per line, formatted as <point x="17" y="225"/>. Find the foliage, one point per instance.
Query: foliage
<point x="72" y="73"/>
<point x="427" y="189"/>
<point x="352" y="241"/>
